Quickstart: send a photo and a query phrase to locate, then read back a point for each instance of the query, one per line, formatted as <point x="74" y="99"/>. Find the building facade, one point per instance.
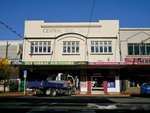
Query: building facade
<point x="90" y="51"/>
<point x="135" y="51"/>
<point x="9" y="49"/>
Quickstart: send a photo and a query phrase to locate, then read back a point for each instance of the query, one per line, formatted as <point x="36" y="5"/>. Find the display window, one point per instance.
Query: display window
<point x="111" y="82"/>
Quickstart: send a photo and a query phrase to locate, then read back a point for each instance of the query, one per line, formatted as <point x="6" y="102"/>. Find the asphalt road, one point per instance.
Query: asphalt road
<point x="73" y="105"/>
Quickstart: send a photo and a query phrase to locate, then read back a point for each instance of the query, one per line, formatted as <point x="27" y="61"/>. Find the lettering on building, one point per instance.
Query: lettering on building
<point x="144" y="61"/>
<point x="61" y="63"/>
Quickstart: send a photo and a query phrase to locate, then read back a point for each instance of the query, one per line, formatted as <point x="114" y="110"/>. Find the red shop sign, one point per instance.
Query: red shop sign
<point x="137" y="61"/>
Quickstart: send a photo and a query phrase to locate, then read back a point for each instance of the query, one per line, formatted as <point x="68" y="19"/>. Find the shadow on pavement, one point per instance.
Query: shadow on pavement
<point x="140" y="95"/>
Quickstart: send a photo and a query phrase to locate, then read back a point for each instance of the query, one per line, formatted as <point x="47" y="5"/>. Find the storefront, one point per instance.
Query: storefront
<point x="136" y="72"/>
<point x="101" y="77"/>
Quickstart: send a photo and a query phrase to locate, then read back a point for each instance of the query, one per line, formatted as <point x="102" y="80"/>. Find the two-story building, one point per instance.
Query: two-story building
<point x="135" y="51"/>
<point x="90" y="51"/>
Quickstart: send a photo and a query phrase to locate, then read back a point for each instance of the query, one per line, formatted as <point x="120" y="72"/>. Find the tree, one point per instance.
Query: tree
<point x="5" y="70"/>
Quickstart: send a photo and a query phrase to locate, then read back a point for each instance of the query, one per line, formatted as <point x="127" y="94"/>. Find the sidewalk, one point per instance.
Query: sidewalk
<point x="10" y="94"/>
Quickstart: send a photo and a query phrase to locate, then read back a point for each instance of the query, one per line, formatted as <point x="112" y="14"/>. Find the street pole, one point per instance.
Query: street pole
<point x="7" y="49"/>
<point x="6" y="58"/>
<point x="24" y="85"/>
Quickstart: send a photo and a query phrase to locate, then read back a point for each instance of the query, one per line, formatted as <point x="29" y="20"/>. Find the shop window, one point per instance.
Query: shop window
<point x="135" y="81"/>
<point x="70" y="47"/>
<point x="111" y="82"/>
<point x="100" y="47"/>
<point x="132" y="81"/>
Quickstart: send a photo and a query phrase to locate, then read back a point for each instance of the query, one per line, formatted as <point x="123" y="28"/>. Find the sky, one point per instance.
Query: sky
<point x="13" y="13"/>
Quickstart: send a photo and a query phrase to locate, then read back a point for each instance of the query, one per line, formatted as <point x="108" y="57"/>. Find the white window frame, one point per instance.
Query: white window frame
<point x="101" y="47"/>
<point x="71" y="47"/>
<point x="44" y="46"/>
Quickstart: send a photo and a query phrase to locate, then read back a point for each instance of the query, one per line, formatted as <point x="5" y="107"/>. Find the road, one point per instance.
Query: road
<point x="64" y="104"/>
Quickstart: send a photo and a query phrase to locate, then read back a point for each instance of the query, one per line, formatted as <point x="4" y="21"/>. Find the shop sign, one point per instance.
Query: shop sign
<point x="137" y="61"/>
<point x="112" y="72"/>
<point x="106" y="63"/>
<point x="54" y="63"/>
<point x="96" y="73"/>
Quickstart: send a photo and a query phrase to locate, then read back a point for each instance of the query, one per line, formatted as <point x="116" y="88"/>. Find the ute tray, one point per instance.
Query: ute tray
<point x="45" y="84"/>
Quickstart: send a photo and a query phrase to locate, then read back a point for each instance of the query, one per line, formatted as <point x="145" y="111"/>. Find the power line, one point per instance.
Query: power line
<point x="8" y="27"/>
<point x="91" y="17"/>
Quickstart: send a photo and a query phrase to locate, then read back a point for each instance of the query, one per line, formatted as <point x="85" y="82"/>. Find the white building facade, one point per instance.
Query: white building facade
<point x="90" y="51"/>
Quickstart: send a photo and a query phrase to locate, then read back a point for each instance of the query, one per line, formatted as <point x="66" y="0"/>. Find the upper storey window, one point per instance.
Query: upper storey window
<point x="41" y="47"/>
<point x="71" y="47"/>
<point x="138" y="49"/>
<point x="100" y="47"/>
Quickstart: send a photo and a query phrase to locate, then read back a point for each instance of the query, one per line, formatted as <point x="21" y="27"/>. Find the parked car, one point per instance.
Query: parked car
<point x="145" y="88"/>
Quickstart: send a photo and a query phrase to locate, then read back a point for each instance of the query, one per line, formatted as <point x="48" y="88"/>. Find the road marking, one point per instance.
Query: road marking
<point x="102" y="107"/>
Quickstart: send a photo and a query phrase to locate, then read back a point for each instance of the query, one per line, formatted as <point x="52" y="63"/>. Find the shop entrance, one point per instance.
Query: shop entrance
<point x="97" y="84"/>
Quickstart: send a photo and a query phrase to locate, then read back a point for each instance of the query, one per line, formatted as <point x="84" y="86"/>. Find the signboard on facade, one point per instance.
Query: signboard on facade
<point x="25" y="73"/>
<point x="55" y="63"/>
<point x="137" y="61"/>
<point x="106" y="63"/>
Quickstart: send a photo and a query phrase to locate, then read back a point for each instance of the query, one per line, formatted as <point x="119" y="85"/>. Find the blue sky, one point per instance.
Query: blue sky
<point x="130" y="13"/>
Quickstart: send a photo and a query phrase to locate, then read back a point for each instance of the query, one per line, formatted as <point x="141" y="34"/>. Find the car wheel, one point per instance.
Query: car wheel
<point x="53" y="93"/>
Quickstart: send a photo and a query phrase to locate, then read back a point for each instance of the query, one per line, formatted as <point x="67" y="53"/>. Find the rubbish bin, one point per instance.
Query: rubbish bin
<point x="22" y="86"/>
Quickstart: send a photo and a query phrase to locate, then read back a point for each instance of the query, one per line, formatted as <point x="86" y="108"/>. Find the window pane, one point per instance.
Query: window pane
<point x="101" y="49"/>
<point x="105" y="43"/>
<point x="49" y="43"/>
<point x="96" y="49"/>
<point x="109" y="49"/>
<point x="105" y="49"/>
<point x="109" y="43"/>
<point x="73" y="43"/>
<point x="77" y="43"/>
<point x="96" y="43"/>
<point x="36" y="43"/>
<point x="40" y="43"/>
<point x="136" y="49"/>
<point x="36" y="49"/>
<point x="68" y="49"/>
<point x="40" y="49"/>
<point x="32" y="50"/>
<point x="148" y="49"/>
<point x="44" y="44"/>
<point x="73" y="49"/>
<point x="77" y="49"/>
<point x="130" y="49"/>
<point x="92" y="49"/>
<point x="44" y="49"/>
<point x="64" y="49"/>
<point x="142" y="49"/>
<point x="101" y="43"/>
<point x="49" y="49"/>
<point x="68" y="43"/>
<point x="64" y="43"/>
<point x="92" y="43"/>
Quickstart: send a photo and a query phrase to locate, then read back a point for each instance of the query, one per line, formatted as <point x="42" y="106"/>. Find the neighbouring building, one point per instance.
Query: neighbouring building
<point x="9" y="49"/>
<point x="135" y="51"/>
<point x="90" y="51"/>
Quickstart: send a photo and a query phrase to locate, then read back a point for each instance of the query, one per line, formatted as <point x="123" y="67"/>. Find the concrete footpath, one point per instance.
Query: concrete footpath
<point x="10" y="94"/>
